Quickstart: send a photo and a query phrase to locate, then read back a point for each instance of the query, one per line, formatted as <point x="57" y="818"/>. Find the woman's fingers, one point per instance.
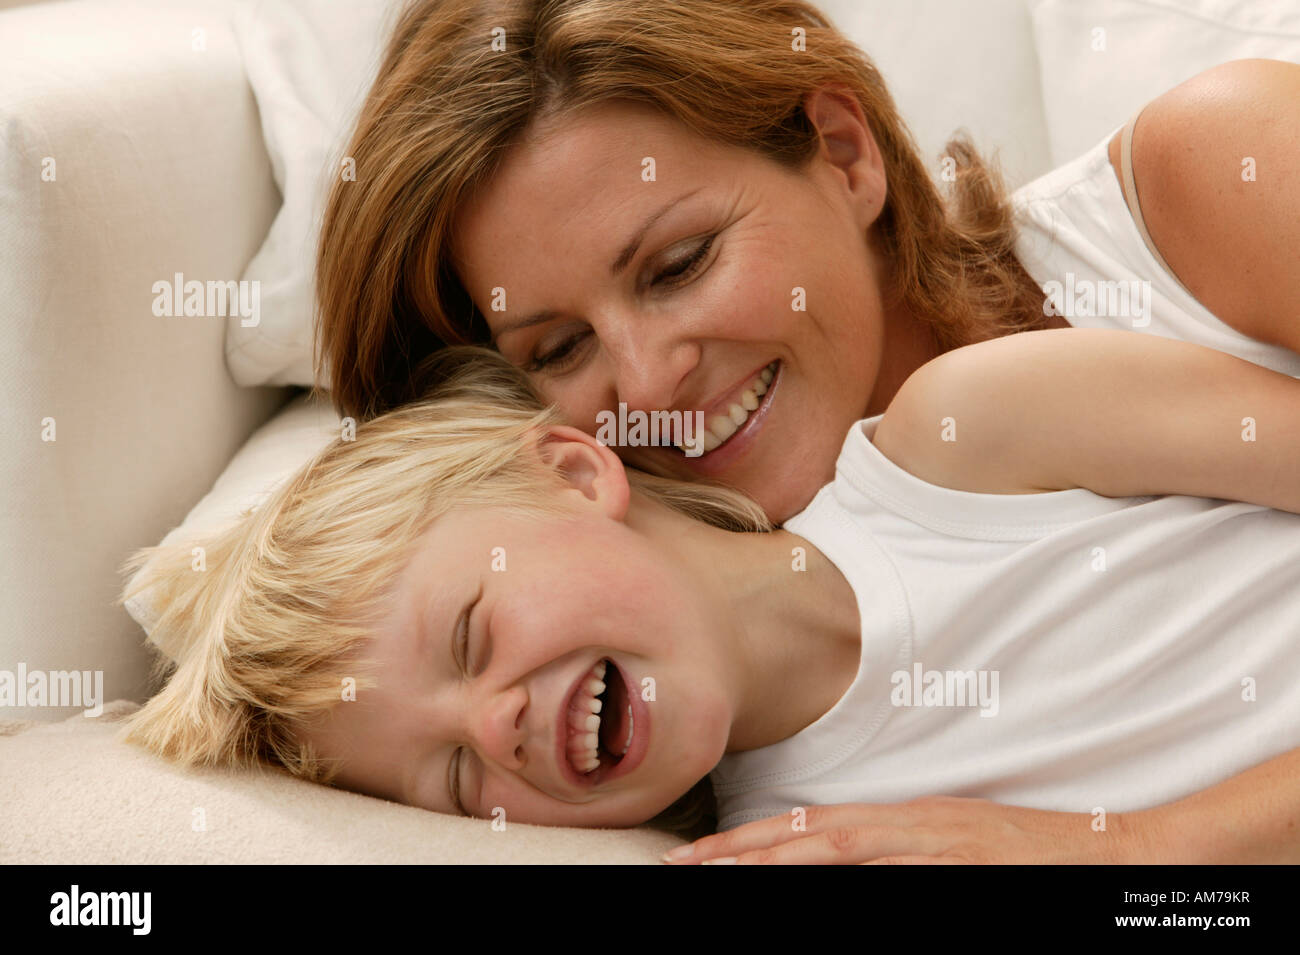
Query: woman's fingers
<point x="847" y="845"/>
<point x="935" y="828"/>
<point x="915" y="860"/>
<point x="798" y="824"/>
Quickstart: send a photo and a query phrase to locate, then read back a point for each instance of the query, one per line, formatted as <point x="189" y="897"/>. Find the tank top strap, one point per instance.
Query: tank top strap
<point x="1131" y="196"/>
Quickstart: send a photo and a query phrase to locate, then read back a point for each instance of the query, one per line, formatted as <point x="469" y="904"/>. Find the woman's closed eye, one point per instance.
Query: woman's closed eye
<point x="685" y="267"/>
<point x="565" y="352"/>
<point x="559" y="357"/>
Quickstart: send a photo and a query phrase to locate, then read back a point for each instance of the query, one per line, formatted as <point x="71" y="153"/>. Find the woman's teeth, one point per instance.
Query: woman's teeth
<point x="584" y="723"/>
<point x="722" y="426"/>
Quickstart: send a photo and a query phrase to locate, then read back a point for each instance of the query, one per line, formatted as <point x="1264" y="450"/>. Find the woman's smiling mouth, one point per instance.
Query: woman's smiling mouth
<point x="728" y="435"/>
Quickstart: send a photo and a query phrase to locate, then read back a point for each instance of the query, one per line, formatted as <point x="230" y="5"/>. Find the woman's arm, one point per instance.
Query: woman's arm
<point x="1253" y="817"/>
<point x="1120" y="413"/>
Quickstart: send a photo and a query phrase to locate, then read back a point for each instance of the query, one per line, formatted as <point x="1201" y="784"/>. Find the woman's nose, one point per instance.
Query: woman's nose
<point x="650" y="363"/>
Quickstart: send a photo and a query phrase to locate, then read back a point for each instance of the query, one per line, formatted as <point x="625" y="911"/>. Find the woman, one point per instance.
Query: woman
<point x="649" y="205"/>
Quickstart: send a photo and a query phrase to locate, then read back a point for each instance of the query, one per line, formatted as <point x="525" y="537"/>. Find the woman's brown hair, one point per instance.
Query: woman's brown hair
<point x="446" y="108"/>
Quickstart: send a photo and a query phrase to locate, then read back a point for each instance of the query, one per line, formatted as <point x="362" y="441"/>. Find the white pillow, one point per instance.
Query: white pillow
<point x="1145" y="47"/>
<point x="954" y="63"/>
<point x="948" y="63"/>
<point x="272" y="455"/>
<point x="310" y="64"/>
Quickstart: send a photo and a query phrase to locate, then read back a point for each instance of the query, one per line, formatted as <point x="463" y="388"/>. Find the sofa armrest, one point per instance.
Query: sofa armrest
<point x="130" y="151"/>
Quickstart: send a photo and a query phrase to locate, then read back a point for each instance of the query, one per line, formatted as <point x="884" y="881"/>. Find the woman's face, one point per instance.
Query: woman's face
<point x="620" y="259"/>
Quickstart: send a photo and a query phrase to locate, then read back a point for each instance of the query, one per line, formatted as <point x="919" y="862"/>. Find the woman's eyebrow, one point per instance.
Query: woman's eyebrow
<point x="630" y="250"/>
<point x="536" y="318"/>
<point x="615" y="268"/>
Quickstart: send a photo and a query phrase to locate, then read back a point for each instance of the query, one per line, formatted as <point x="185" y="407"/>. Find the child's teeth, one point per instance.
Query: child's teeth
<point x="584" y="722"/>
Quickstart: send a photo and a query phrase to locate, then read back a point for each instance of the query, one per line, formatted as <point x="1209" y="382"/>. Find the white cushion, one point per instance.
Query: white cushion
<point x="948" y="63"/>
<point x="272" y="455"/>
<point x="1145" y="47"/>
<point x="310" y="64"/>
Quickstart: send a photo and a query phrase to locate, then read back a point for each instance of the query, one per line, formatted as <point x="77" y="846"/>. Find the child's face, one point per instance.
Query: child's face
<point x="546" y="599"/>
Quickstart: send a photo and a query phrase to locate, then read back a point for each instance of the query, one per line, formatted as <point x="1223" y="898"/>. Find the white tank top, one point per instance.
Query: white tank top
<point x="1144" y="648"/>
<point x="1074" y="221"/>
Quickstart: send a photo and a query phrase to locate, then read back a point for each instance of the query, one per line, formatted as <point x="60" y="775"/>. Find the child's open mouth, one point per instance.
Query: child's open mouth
<point x="600" y="725"/>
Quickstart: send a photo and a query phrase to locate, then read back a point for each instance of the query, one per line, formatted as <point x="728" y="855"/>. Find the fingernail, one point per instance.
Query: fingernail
<point x="724" y="860"/>
<point x="681" y="852"/>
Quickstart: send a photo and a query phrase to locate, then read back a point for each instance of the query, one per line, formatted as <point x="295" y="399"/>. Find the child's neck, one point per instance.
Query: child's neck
<point x="796" y="643"/>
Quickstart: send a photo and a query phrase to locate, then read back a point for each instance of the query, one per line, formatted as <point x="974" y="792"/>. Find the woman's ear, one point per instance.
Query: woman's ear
<point x="849" y="149"/>
<point x="588" y="466"/>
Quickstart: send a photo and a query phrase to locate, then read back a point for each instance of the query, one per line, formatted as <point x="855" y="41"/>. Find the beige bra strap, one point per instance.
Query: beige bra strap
<point x="1130" y="189"/>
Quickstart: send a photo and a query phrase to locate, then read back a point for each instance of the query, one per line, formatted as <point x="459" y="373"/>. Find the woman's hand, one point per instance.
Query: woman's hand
<point x="934" y="830"/>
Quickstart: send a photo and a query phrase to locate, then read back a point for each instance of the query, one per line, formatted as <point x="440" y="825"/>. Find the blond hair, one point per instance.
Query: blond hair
<point x="446" y="108"/>
<point x="295" y="588"/>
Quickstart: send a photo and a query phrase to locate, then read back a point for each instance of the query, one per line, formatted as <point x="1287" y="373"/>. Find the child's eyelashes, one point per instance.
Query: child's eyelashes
<point x="462" y="641"/>
<point x="567" y="351"/>
<point x="461" y="651"/>
<point x="453" y="779"/>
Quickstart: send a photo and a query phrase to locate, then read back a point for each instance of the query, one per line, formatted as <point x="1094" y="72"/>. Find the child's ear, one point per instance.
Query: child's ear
<point x="588" y="466"/>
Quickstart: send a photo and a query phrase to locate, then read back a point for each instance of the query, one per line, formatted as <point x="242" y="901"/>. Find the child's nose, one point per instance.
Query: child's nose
<point x="499" y="729"/>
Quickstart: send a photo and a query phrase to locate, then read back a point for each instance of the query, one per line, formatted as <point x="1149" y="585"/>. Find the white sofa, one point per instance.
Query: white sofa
<point x="160" y="166"/>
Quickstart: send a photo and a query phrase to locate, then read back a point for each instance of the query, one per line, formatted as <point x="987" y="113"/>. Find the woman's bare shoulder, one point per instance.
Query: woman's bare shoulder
<point x="1216" y="166"/>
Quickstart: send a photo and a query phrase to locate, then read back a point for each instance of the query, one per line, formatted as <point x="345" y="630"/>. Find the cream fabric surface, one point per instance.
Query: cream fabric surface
<point x="71" y="794"/>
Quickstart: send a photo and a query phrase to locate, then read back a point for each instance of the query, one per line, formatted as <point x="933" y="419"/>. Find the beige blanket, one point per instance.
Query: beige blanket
<point x="71" y="794"/>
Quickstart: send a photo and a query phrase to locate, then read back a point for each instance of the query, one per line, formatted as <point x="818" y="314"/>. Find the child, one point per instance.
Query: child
<point x="475" y="609"/>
